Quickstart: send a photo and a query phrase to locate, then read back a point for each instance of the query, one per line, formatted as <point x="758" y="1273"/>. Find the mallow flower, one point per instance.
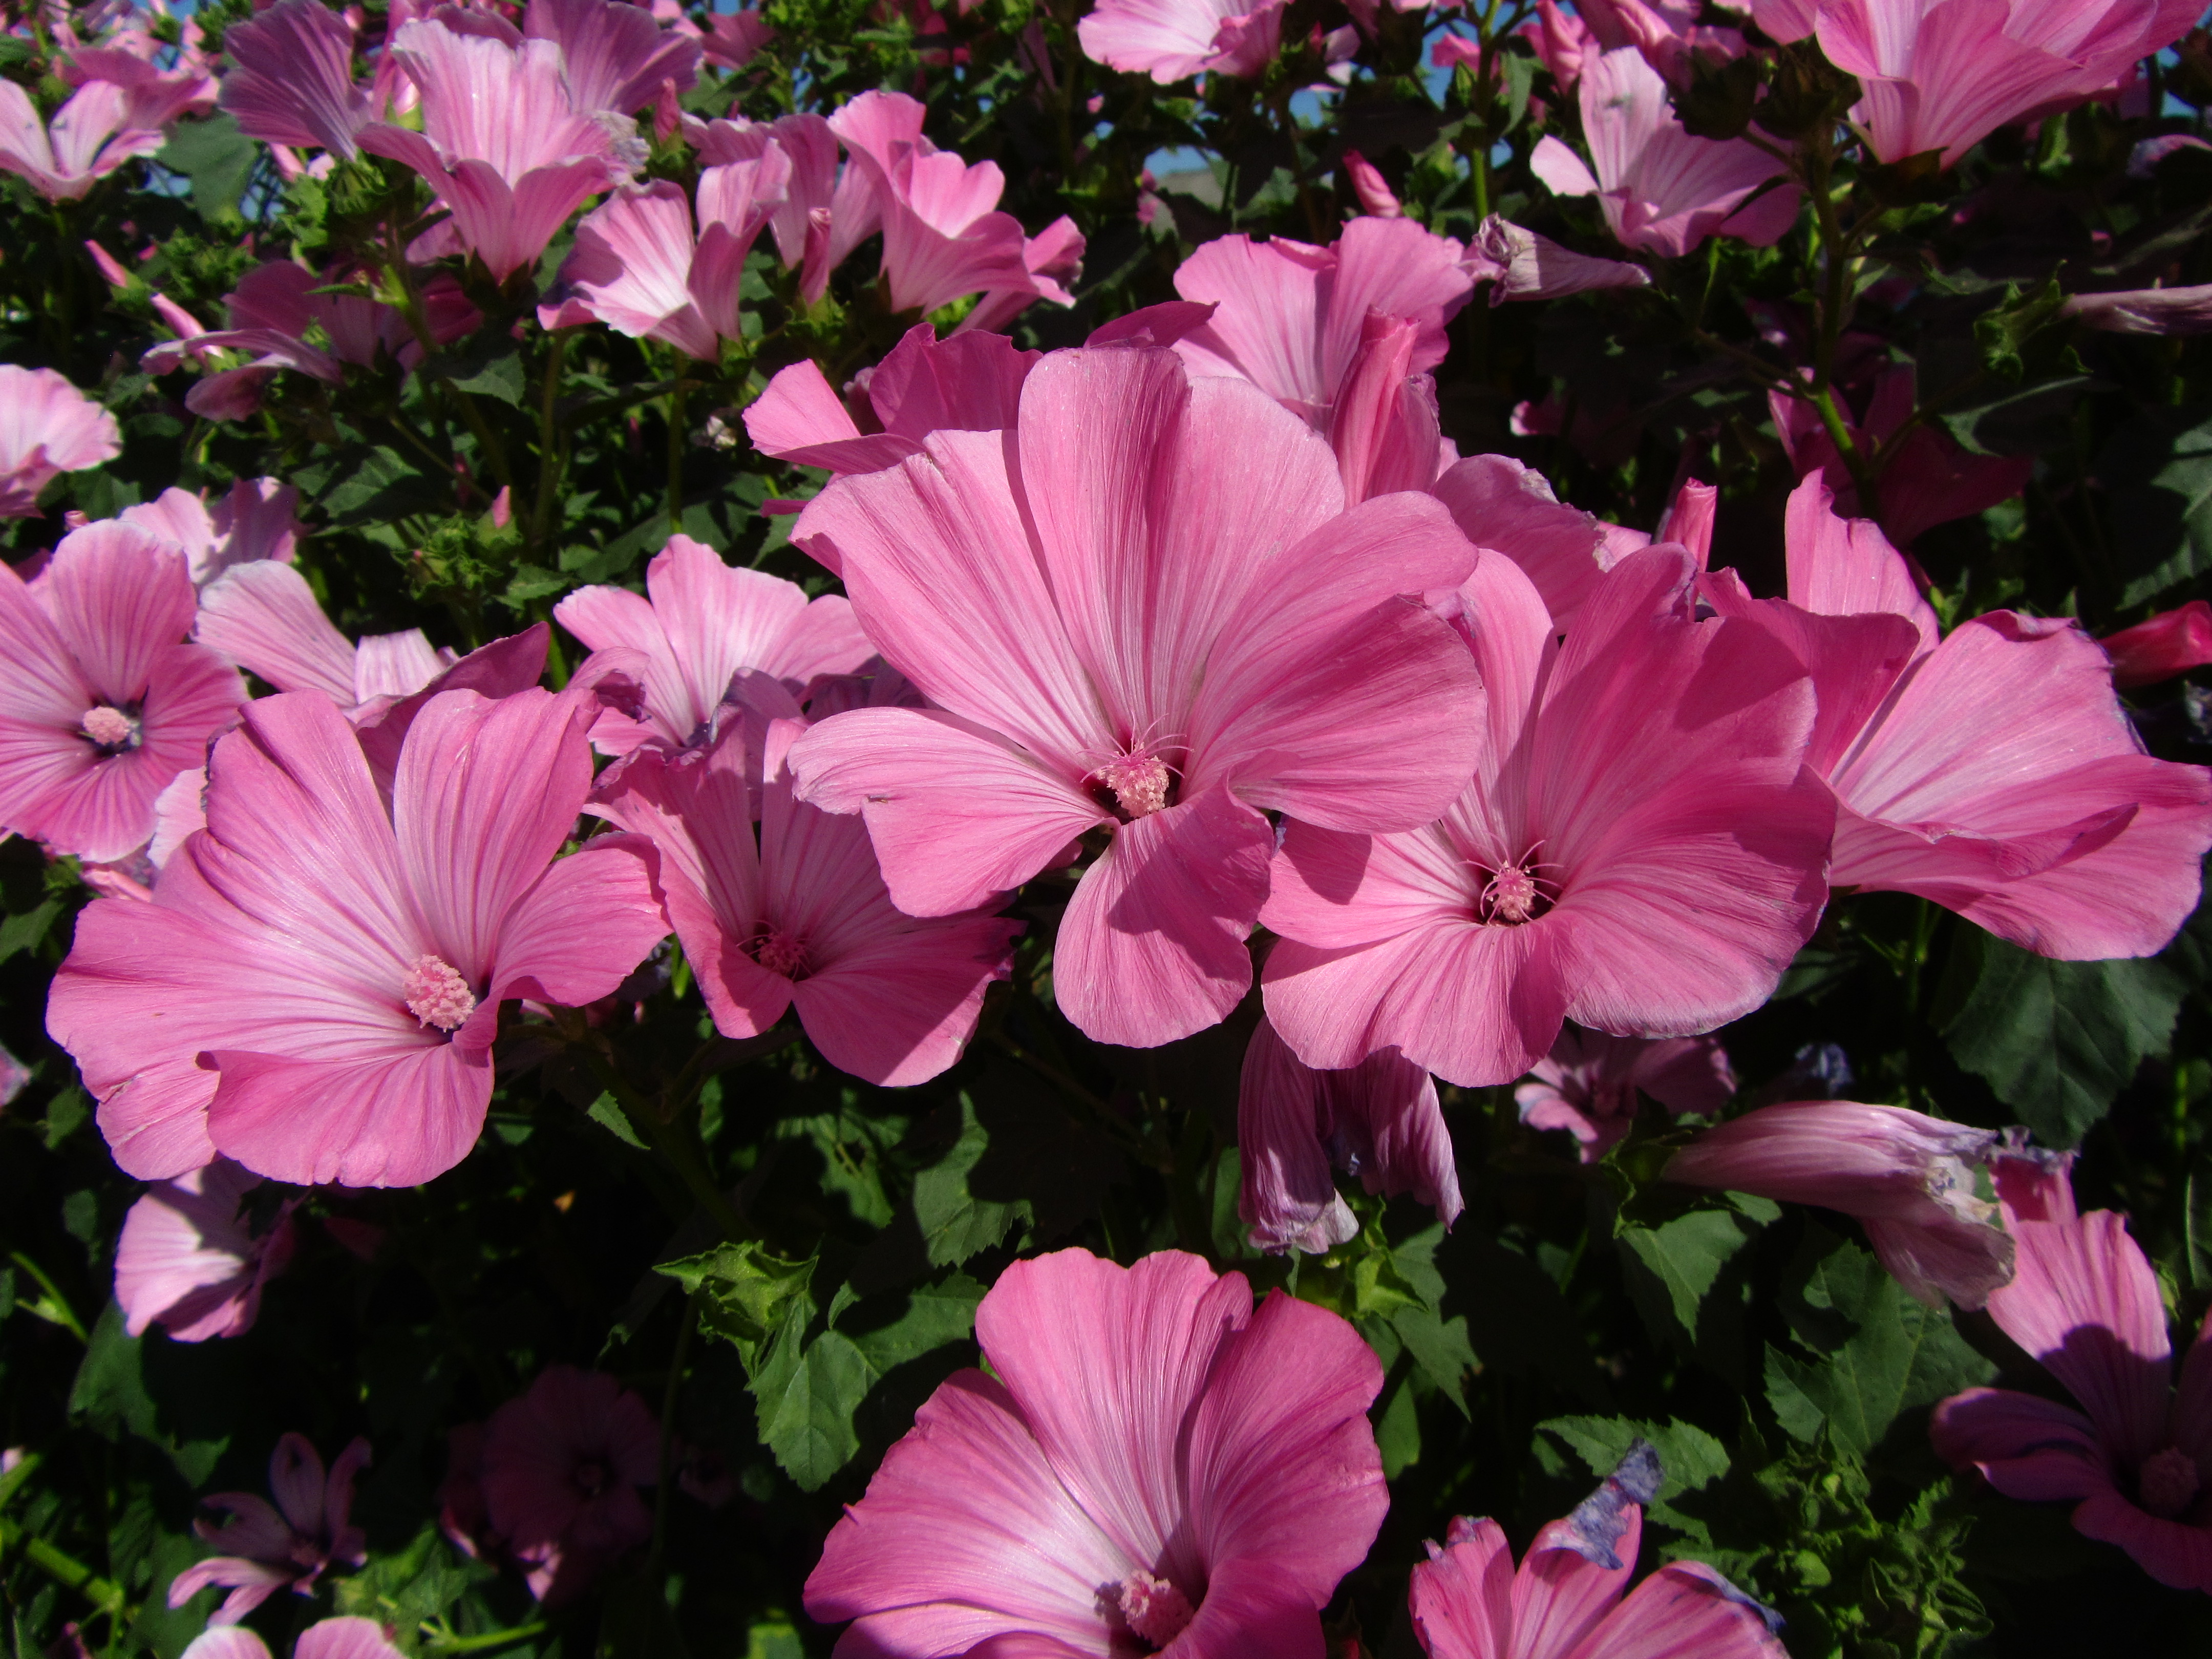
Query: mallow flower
<point x="1589" y="1084"/>
<point x="191" y="1258"/>
<point x="562" y="1469"/>
<point x="269" y="1547"/>
<point x="47" y="427"/>
<point x="346" y="1637"/>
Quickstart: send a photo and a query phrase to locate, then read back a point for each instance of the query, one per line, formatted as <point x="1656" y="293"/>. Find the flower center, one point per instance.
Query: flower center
<point x="1155" y="1608"/>
<point x="591" y="1478"/>
<point x="1139" y="782"/>
<point x="781" y="953"/>
<point x="436" y="994"/>
<point x="1513" y="894"/>
<point x="111" y="728"/>
<point x="2168" y="1482"/>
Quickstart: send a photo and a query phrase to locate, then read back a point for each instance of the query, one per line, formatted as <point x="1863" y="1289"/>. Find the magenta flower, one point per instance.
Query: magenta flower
<point x="1372" y="189"/>
<point x="1501" y="505"/>
<point x="2173" y="642"/>
<point x="1565" y="1602"/>
<point x="105" y="704"/>
<point x="264" y="617"/>
<point x="256" y="520"/>
<point x="1150" y="1461"/>
<point x="326" y="1639"/>
<point x="1906" y="1178"/>
<point x="1667" y="33"/>
<point x="291" y="78"/>
<point x="1379" y="1120"/>
<point x="338" y="964"/>
<point x="47" y="427"/>
<point x="825" y="212"/>
<point x="2134" y="1453"/>
<point x="93" y="135"/>
<point x="972" y="382"/>
<point x="1589" y="1084"/>
<point x="1519" y="264"/>
<point x="1637" y="852"/>
<point x="705" y="626"/>
<point x="562" y="1469"/>
<point x="268" y="1546"/>
<point x="1384" y="427"/>
<point x="1662" y="189"/>
<point x="615" y="56"/>
<point x="1142" y="610"/>
<point x="1172" y="40"/>
<point x="189" y="1260"/>
<point x="1993" y="772"/>
<point x="1291" y="316"/>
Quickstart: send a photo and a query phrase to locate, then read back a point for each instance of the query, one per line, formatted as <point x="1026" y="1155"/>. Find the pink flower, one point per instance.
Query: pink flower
<point x="1666" y="32"/>
<point x="1172" y="40"/>
<point x="1289" y="315"/>
<point x="1662" y="190"/>
<point x="732" y="38"/>
<point x="1589" y="1084"/>
<point x="1565" y="1601"/>
<point x="338" y="963"/>
<point x="825" y="213"/>
<point x="1142" y="610"/>
<point x="93" y="135"/>
<point x="1373" y="190"/>
<point x="326" y="1639"/>
<point x="562" y="1469"/>
<point x="268" y="1546"/>
<point x="105" y="704"/>
<point x="1500" y="504"/>
<point x="1519" y="264"/>
<point x="705" y="626"/>
<point x="1379" y="1120"/>
<point x="291" y="78"/>
<point x="1563" y="40"/>
<point x="1384" y="427"/>
<point x="2173" y="642"/>
<point x="614" y="57"/>
<point x="255" y="521"/>
<point x="2168" y="311"/>
<point x="504" y="145"/>
<point x="2133" y="1454"/>
<point x="1994" y="773"/>
<point x="264" y="617"/>
<point x="192" y="1260"/>
<point x="972" y="382"/>
<point x="1905" y="1176"/>
<point x="1637" y="852"/>
<point x="47" y="427"/>
<point x="802" y="918"/>
<point x="1150" y="1461"/>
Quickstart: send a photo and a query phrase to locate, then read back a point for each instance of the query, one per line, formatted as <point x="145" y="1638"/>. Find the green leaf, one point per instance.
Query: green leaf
<point x="2056" y="1040"/>
<point x="2157" y="474"/>
<point x="749" y="1292"/>
<point x="2005" y="328"/>
<point x="1874" y="1353"/>
<point x="216" y="157"/>
<point x="402" y="1588"/>
<point x="534" y="582"/>
<point x="608" y="1114"/>
<point x="111" y="1393"/>
<point x="955" y="1223"/>
<point x="1689" y="1458"/>
<point x="636" y="1622"/>
<point x="1683" y="1259"/>
<point x="492" y="367"/>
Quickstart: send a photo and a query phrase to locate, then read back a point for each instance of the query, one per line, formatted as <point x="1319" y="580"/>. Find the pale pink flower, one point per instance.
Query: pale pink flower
<point x="1150" y="1461"/>
<point x="132" y="58"/>
<point x="972" y="382"/>
<point x="2165" y="311"/>
<point x="1662" y="190"/>
<point x="1565" y="1602"/>
<point x="291" y="78"/>
<point x="47" y="427"/>
<point x="1906" y="1178"/>
<point x="2134" y="1453"/>
<point x="1172" y="40"/>
<point x="256" y="520"/>
<point x="704" y="626"/>
<point x="340" y="963"/>
<point x="1144" y="609"/>
<point x="2173" y="642"/>
<point x="264" y="617"/>
<point x="732" y="38"/>
<point x="801" y="917"/>
<point x="326" y="1639"/>
<point x="1589" y="1084"/>
<point x="562" y="1469"/>
<point x="1636" y="851"/>
<point x="104" y="703"/>
<point x="92" y="135"/>
<point x="1384" y="427"/>
<point x="1289" y="315"/>
<point x="1993" y="772"/>
<point x="1502" y="505"/>
<point x="1379" y="1120"/>
<point x="1519" y="264"/>
<point x="189" y="1257"/>
<point x="268" y="1546"/>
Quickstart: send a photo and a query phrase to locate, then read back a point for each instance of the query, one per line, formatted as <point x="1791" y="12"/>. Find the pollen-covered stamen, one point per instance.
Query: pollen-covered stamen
<point x="2168" y="1483"/>
<point x="436" y="994"/>
<point x="111" y="728"/>
<point x="1156" y="1609"/>
<point x="1139" y="782"/>
<point x="1512" y="895"/>
<point x="781" y="953"/>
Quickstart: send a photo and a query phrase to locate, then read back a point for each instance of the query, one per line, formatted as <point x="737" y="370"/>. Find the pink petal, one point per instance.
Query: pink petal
<point x="585" y="927"/>
<point x="1288" y="1194"/>
<point x="616" y="56"/>
<point x="1843" y="567"/>
<point x="632" y="268"/>
<point x="1498" y="503"/>
<point x="901" y="1011"/>
<point x="118" y="598"/>
<point x="1462" y="1596"/>
<point x="2177" y="1553"/>
<point x="263" y="617"/>
<point x="345" y="1638"/>
<point x="291" y="80"/>
<point x="185" y="1259"/>
<point x="2029" y="1448"/>
<point x="394" y="1123"/>
<point x="1685" y="1610"/>
<point x="222" y="1641"/>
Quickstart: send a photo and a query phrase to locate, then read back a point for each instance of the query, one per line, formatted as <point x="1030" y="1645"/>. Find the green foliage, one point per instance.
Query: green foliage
<point x="2158" y="471"/>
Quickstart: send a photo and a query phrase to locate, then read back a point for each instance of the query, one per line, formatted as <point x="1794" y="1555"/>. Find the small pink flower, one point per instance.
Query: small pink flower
<point x="268" y="1546"/>
<point x="1589" y="1084"/>
<point x="1373" y="190"/>
<point x="47" y="427"/>
<point x="1172" y="40"/>
<point x="563" y="1465"/>
<point x="972" y="382"/>
<point x="1150" y="1461"/>
<point x="291" y="80"/>
<point x="191" y="1260"/>
<point x="326" y="1639"/>
<point x="1519" y="264"/>
<point x="93" y="135"/>
<point x="255" y="521"/>
<point x="2173" y="642"/>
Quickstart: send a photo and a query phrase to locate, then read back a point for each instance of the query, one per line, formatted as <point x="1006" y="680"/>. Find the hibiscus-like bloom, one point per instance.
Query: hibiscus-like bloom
<point x="1565" y="1602"/>
<point x="1637" y="852"/>
<point x="1171" y="40"/>
<point x="338" y="963"/>
<point x="562" y="1469"/>
<point x="1379" y="1120"/>
<point x="2136" y="1457"/>
<point x="266" y="1546"/>
<point x="1500" y="504"/>
<point x="706" y="625"/>
<point x="1144" y="610"/>
<point x="1992" y="770"/>
<point x="1588" y="1083"/>
<point x="291" y="78"/>
<point x="190" y="1258"/>
<point x="1906" y="1178"/>
<point x="1150" y="1461"/>
<point x="93" y="135"/>
<point x="264" y="617"/>
<point x="2173" y="642"/>
<point x="1662" y="189"/>
<point x="256" y="520"/>
<point x="326" y="1639"/>
<point x="104" y="703"/>
<point x="47" y="427"/>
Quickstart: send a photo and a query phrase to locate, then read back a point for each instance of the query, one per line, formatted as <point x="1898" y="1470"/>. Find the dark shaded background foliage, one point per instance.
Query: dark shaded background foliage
<point x="1783" y="1376"/>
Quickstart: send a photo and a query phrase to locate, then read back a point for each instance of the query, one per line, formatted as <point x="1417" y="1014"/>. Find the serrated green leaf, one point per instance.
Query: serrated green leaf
<point x="1684" y="1256"/>
<point x="534" y="582"/>
<point x="749" y="1292"/>
<point x="2157" y="475"/>
<point x="608" y="1114"/>
<point x="1689" y="1458"/>
<point x="216" y="157"/>
<point x="28" y="931"/>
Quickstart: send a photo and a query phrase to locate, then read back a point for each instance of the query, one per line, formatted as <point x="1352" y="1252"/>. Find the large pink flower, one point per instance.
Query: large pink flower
<point x="103" y="703"/>
<point x="1142" y="610"/>
<point x="93" y="135"/>
<point x="47" y="427"/>
<point x="1589" y="1083"/>
<point x="263" y="617"/>
<point x="562" y="1469"/>
<point x="1150" y="1461"/>
<point x="189" y="1257"/>
<point x="291" y="80"/>
<point x="2136" y="1457"/>
<point x="1171" y="40"/>
<point x="1565" y="1602"/>
<point x="1993" y="772"/>
<point x="315" y="987"/>
<point x="803" y="917"/>
<point x="269" y="1545"/>
<point x="1637" y="851"/>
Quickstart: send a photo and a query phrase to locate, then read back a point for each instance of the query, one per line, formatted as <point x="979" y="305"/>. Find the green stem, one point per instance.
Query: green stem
<point x="676" y="455"/>
<point x="52" y="1307"/>
<point x="1839" y="434"/>
<point x="419" y="324"/>
<point x="66" y="1570"/>
<point x="437" y="1641"/>
<point x="551" y="452"/>
<point x="668" y="1419"/>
